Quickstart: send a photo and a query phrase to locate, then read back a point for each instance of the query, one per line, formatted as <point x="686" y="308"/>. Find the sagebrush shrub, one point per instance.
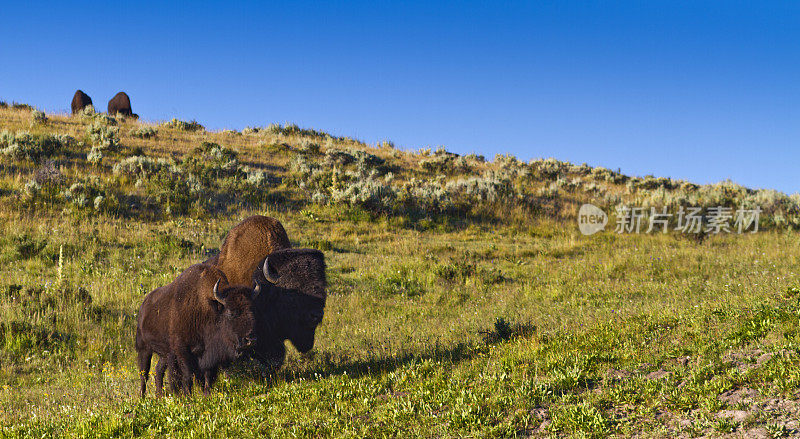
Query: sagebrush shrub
<point x="211" y="161"/>
<point x="103" y="136"/>
<point x="144" y="133"/>
<point x="144" y="167"/>
<point x="183" y="125"/>
<point x="95" y="155"/>
<point x="88" y="113"/>
<point x="23" y="145"/>
<point x="48" y="173"/>
<point x="38" y="117"/>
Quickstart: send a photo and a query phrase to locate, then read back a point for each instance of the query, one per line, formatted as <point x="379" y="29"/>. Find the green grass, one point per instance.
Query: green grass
<point x="435" y="326"/>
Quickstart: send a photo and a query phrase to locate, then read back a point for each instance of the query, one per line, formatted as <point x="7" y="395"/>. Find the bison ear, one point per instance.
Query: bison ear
<point x="218" y="296"/>
<point x="256" y="290"/>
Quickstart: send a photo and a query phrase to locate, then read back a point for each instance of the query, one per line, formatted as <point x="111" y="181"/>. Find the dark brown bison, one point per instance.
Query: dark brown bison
<point x="80" y="101"/>
<point x="121" y="104"/>
<point x="291" y="303"/>
<point x="246" y="245"/>
<point x="196" y="324"/>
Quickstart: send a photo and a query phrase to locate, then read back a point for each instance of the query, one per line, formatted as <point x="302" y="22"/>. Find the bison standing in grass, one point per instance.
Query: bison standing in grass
<point x="291" y="304"/>
<point x="195" y="324"/>
<point x="246" y="245"/>
<point x="120" y="104"/>
<point x="80" y="101"/>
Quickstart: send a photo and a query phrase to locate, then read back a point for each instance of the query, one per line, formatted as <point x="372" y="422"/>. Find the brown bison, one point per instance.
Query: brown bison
<point x="121" y="104"/>
<point x="246" y="245"/>
<point x="291" y="303"/>
<point x="195" y="324"/>
<point x="80" y="101"/>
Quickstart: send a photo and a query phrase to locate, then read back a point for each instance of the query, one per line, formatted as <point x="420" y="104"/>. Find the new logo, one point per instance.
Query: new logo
<point x="591" y="219"/>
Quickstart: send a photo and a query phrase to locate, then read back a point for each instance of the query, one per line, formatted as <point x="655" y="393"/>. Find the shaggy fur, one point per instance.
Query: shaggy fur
<point x="80" y="101"/>
<point x="293" y="307"/>
<point x="121" y="104"/>
<point x="246" y="245"/>
<point x="192" y="330"/>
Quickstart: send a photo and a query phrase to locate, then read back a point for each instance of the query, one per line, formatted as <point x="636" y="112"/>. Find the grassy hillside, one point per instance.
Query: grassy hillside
<point x="463" y="300"/>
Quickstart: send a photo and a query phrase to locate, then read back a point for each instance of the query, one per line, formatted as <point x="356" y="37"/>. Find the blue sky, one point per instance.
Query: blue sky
<point x="698" y="90"/>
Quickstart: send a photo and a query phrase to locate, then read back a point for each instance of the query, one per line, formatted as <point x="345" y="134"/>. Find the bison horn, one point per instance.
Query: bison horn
<point x="220" y="298"/>
<point x="256" y="290"/>
<point x="269" y="272"/>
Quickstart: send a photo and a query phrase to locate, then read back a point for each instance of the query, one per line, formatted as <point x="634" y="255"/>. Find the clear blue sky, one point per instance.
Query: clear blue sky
<point x="698" y="90"/>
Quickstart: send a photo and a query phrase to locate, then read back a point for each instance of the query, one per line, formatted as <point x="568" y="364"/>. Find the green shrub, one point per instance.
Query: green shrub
<point x="211" y="161"/>
<point x="95" y="155"/>
<point x="88" y="113"/>
<point x="23" y="145"/>
<point x="177" y="124"/>
<point x="144" y="167"/>
<point x="548" y="168"/>
<point x="144" y="133"/>
<point x="19" y="106"/>
<point x="308" y="147"/>
<point x="102" y="136"/>
<point x="292" y="129"/>
<point x="38" y="117"/>
<point x="444" y="162"/>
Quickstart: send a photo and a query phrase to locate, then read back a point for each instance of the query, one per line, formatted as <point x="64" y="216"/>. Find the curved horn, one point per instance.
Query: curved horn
<point x="269" y="273"/>
<point x="256" y="291"/>
<point x="217" y="295"/>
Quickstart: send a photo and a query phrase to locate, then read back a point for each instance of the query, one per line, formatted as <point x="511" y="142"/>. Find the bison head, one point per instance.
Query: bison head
<point x="235" y="318"/>
<point x="293" y="303"/>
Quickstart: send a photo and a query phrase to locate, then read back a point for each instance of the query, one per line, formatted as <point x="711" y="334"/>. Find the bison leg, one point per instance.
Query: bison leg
<point x="174" y="374"/>
<point x="161" y="366"/>
<point x="144" y="357"/>
<point x="189" y="369"/>
<point x="209" y="378"/>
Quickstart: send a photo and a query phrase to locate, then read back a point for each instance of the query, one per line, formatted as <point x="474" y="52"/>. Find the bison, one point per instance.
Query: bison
<point x="291" y="304"/>
<point x="80" y="101"/>
<point x="246" y="245"/>
<point x="196" y="324"/>
<point x="121" y="104"/>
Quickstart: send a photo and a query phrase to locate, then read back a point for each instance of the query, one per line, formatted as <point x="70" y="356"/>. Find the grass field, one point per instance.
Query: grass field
<point x="491" y="316"/>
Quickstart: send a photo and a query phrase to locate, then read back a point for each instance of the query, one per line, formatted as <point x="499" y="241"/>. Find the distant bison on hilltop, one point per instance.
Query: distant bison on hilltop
<point x="121" y="104"/>
<point x="246" y="245"/>
<point x="80" y="101"/>
<point x="291" y="304"/>
<point x="195" y="324"/>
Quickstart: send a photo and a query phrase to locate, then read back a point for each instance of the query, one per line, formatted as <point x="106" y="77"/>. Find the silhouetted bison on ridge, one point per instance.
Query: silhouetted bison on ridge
<point x="121" y="104"/>
<point x="80" y="101"/>
<point x="195" y="324"/>
<point x="246" y="245"/>
<point x="291" y="304"/>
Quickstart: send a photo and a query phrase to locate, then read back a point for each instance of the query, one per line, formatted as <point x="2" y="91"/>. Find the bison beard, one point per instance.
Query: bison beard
<point x="291" y="305"/>
<point x="80" y="101"/>
<point x="195" y="325"/>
